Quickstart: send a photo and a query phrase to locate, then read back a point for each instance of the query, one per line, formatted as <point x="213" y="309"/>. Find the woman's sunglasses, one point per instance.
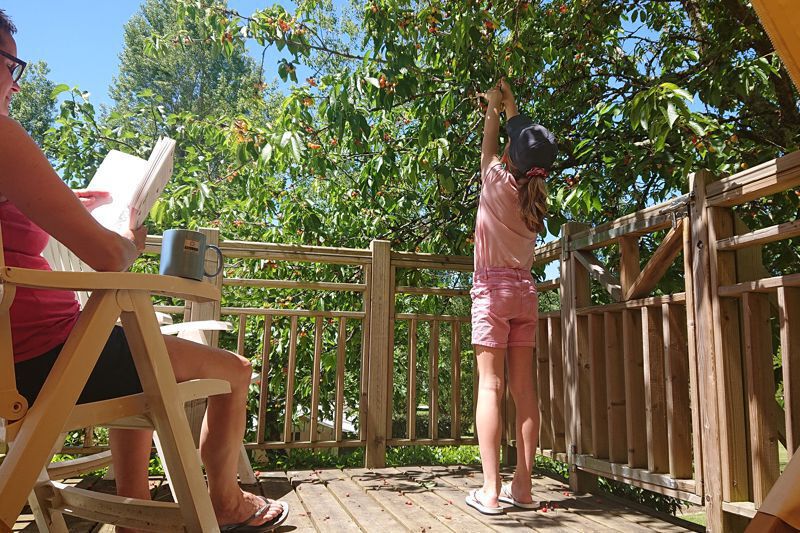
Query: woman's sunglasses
<point x="17" y="69"/>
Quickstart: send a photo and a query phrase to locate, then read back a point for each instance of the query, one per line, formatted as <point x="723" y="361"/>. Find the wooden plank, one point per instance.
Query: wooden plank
<point x="242" y="335"/>
<point x="761" y="236"/>
<point x="315" y="380"/>
<point x="584" y="397"/>
<point x="322" y="507"/>
<point x="658" y="264"/>
<point x="277" y="486"/>
<point x="547" y="253"/>
<point x="543" y="384"/>
<point x="597" y="386"/>
<point x="678" y="297"/>
<point x="433" y="377"/>
<point x="341" y="345"/>
<point x="789" y="318"/>
<point x="288" y="434"/>
<point x="679" y="408"/>
<point x="636" y="476"/>
<point x="448" y="503"/>
<point x="706" y="352"/>
<point x="733" y="435"/>
<point x="455" y="393"/>
<point x="437" y="291"/>
<point x="615" y="389"/>
<point x="556" y="385"/>
<point x="389" y="491"/>
<point x="760" y="394"/>
<point x="762" y="180"/>
<point x="641" y="222"/>
<point x="390" y="355"/>
<point x="633" y="364"/>
<point x="598" y="271"/>
<point x="365" y="336"/>
<point x="381" y="305"/>
<point x="292" y="284"/>
<point x="549" y="285"/>
<point x="655" y="393"/>
<point x="629" y="266"/>
<point x="691" y="345"/>
<point x="358" y="504"/>
<point x="411" y="413"/>
<point x="263" y="396"/>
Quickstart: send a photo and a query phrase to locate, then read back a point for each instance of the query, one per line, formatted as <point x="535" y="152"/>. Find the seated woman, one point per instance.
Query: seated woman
<point x="34" y="204"/>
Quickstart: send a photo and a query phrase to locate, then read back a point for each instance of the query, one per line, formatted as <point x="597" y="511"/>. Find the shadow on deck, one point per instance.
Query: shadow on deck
<point x="418" y="498"/>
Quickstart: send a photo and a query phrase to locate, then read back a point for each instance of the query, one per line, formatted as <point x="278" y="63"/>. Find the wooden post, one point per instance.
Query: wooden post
<point x="788" y="314"/>
<point x="575" y="293"/>
<point x="706" y="355"/>
<point x="381" y="303"/>
<point x="655" y="389"/>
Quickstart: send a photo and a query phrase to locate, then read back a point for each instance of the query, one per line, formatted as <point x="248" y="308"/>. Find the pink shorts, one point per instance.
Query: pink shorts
<point x="505" y="308"/>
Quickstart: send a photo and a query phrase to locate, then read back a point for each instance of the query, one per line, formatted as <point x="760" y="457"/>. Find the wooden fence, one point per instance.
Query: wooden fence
<point x="667" y="389"/>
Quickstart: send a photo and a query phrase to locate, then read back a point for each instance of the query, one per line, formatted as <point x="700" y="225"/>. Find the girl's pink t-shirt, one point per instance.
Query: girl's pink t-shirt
<point x="501" y="237"/>
<point x="41" y="319"/>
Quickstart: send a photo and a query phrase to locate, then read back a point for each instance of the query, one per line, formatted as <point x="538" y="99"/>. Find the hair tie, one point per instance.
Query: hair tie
<point x="537" y="172"/>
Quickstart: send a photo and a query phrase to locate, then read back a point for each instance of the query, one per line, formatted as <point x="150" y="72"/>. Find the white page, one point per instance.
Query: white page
<point x="120" y="175"/>
<point x="134" y="185"/>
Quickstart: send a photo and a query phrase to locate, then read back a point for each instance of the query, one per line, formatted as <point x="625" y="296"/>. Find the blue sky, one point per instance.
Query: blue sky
<point x="81" y="40"/>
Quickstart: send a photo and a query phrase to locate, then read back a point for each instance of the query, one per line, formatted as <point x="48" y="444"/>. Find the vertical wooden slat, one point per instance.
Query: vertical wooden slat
<point x="390" y="358"/>
<point x="543" y="384"/>
<point x="433" y="376"/>
<point x="634" y="387"/>
<point x="584" y="399"/>
<point x="556" y="384"/>
<point x="315" y="378"/>
<point x="727" y="339"/>
<point x="380" y="353"/>
<point x="655" y="390"/>
<point x="341" y="340"/>
<point x="597" y="386"/>
<point x="365" y="333"/>
<point x="615" y="388"/>
<point x="290" y="371"/>
<point x="242" y="335"/>
<point x="411" y="416"/>
<point x="676" y="369"/>
<point x="263" y="398"/>
<point x="707" y="353"/>
<point x="691" y="347"/>
<point x="88" y="437"/>
<point x="760" y="393"/>
<point x="789" y="317"/>
<point x="455" y="390"/>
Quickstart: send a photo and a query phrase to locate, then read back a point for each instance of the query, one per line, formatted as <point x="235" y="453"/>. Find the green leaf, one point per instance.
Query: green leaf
<point x="266" y="152"/>
<point x="58" y="89"/>
<point x="373" y="81"/>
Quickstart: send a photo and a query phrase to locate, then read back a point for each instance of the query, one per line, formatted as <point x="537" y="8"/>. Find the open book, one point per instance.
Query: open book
<point x="134" y="185"/>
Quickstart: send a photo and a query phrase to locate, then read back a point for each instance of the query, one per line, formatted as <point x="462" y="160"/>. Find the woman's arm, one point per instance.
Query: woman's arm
<point x="491" y="129"/>
<point x="29" y="182"/>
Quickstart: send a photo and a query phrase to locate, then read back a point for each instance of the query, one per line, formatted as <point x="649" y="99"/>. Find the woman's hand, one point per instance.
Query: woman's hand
<point x="91" y="199"/>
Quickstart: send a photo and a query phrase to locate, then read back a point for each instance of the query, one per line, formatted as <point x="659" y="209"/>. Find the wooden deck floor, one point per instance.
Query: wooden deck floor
<point x="420" y="498"/>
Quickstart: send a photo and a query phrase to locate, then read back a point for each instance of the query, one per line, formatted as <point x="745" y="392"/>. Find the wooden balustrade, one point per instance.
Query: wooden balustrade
<point x="670" y="392"/>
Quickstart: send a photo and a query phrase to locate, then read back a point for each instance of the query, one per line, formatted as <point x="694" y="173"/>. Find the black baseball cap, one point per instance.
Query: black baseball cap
<point x="531" y="145"/>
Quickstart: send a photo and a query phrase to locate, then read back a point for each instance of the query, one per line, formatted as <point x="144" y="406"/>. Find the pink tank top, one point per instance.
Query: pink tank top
<point x="501" y="237"/>
<point x="41" y="319"/>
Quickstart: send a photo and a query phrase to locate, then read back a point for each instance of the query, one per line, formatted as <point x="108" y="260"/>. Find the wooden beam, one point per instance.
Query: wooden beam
<point x="615" y="389"/>
<point x="679" y="408"/>
<point x="659" y="263"/>
<point x="655" y="391"/>
<point x="761" y="236"/>
<point x="629" y="262"/>
<point x="789" y="318"/>
<point x="761" y="285"/>
<point x="598" y="271"/>
<point x="633" y="365"/>
<point x="760" y="394"/>
<point x="763" y="180"/>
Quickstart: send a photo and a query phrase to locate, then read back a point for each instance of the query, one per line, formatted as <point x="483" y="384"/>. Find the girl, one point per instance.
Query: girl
<point x="513" y="203"/>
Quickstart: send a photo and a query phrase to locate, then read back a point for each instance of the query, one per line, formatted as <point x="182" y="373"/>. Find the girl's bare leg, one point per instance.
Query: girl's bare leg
<point x="491" y="386"/>
<point x="523" y="390"/>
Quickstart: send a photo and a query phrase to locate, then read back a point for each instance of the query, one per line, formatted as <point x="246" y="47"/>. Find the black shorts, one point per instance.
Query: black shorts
<point x="113" y="376"/>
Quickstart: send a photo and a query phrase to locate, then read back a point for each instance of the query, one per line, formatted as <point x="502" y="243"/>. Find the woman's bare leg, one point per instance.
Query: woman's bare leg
<point x="523" y="390"/>
<point x="130" y="455"/>
<point x="491" y="386"/>
<point x="223" y="426"/>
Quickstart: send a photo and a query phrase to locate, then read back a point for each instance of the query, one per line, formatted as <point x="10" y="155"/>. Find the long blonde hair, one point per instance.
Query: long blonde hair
<point x="532" y="193"/>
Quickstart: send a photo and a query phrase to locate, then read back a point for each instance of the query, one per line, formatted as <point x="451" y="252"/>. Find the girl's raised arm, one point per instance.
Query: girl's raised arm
<point x="491" y="128"/>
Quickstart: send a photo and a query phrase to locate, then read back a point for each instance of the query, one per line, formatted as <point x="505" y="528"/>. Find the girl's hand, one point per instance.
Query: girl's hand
<point x="493" y="96"/>
<point x="91" y="199"/>
<point x="505" y="88"/>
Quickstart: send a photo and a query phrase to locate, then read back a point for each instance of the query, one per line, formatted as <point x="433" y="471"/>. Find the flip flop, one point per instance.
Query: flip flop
<point x="473" y="501"/>
<point x="243" y="527"/>
<point x="506" y="497"/>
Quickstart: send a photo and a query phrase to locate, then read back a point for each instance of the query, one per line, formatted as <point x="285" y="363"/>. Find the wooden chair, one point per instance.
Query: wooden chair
<point x="33" y="433"/>
<point x="202" y="321"/>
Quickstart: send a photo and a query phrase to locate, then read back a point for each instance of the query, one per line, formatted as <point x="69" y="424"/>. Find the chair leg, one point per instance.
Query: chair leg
<point x="160" y="452"/>
<point x="246" y="474"/>
<point x="47" y="520"/>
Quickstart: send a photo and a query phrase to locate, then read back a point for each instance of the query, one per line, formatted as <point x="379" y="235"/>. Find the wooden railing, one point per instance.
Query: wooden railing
<point x="668" y="390"/>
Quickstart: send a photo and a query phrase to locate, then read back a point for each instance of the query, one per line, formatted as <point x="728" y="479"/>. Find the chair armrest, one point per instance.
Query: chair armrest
<point x="198" y="291"/>
<point x="196" y="325"/>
